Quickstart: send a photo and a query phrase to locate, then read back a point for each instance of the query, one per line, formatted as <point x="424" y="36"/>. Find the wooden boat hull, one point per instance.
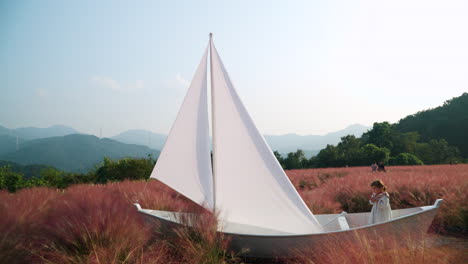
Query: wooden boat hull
<point x="412" y="225"/>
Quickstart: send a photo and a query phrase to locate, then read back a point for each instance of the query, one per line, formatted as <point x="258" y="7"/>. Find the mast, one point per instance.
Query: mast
<point x="213" y="124"/>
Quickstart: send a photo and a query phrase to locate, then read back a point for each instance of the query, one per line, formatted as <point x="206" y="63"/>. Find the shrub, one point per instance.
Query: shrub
<point x="10" y="180"/>
<point x="124" y="169"/>
<point x="405" y="159"/>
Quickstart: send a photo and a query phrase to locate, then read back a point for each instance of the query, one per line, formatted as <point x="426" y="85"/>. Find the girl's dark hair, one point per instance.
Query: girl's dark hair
<point x="379" y="184"/>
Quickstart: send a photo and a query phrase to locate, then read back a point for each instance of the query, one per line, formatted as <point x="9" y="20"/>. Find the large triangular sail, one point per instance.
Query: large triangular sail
<point x="185" y="163"/>
<point x="250" y="185"/>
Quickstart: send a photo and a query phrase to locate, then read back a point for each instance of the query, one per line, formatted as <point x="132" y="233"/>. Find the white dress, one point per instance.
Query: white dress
<point x="381" y="210"/>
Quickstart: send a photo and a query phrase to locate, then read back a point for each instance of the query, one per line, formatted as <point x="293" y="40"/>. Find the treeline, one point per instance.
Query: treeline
<point x="109" y="170"/>
<point x="383" y="143"/>
<point x="434" y="136"/>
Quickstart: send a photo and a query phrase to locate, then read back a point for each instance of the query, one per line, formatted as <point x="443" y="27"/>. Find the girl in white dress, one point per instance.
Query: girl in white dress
<point x="380" y="201"/>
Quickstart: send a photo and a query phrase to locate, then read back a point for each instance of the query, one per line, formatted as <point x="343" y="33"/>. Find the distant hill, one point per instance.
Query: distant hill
<point x="311" y="144"/>
<point x="28" y="133"/>
<point x="28" y="171"/>
<point x="449" y="121"/>
<point x="142" y="137"/>
<point x="4" y="131"/>
<point x="284" y="144"/>
<point x="9" y="143"/>
<point x="76" y="152"/>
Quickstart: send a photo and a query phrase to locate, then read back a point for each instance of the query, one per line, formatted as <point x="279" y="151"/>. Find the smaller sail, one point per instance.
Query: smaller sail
<point x="185" y="162"/>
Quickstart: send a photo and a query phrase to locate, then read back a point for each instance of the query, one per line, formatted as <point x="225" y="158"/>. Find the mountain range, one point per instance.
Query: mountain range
<point x="75" y="152"/>
<point x="28" y="133"/>
<point x="311" y="144"/>
<point x="142" y="137"/>
<point x="65" y="148"/>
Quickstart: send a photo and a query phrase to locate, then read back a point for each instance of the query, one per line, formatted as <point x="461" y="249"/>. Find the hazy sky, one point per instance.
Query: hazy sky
<point x="306" y="67"/>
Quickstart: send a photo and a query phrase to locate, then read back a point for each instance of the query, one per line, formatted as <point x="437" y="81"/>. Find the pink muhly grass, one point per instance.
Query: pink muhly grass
<point x="409" y="186"/>
<point x="197" y="240"/>
<point x="20" y="219"/>
<point x="93" y="223"/>
<point x="99" y="224"/>
<point x="153" y="195"/>
<point x="366" y="249"/>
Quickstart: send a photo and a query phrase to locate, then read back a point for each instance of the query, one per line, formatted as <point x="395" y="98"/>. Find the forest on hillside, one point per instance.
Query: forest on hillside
<point x="433" y="136"/>
<point x="449" y="122"/>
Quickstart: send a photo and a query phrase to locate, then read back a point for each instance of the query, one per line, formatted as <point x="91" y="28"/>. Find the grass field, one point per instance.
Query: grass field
<point x="98" y="224"/>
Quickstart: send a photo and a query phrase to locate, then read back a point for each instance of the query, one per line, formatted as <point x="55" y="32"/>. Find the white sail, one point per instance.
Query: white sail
<point x="185" y="163"/>
<point x="250" y="185"/>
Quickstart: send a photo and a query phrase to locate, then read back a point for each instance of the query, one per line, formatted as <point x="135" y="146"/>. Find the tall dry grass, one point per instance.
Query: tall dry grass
<point x="98" y="224"/>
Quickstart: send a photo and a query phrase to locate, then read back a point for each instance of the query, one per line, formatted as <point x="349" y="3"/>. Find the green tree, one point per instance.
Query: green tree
<point x="381" y="135"/>
<point x="327" y="157"/>
<point x="405" y="159"/>
<point x="34" y="182"/>
<point x="349" y="151"/>
<point x="52" y="177"/>
<point x="371" y="153"/>
<point x="75" y="178"/>
<point x="279" y="158"/>
<point x="124" y="169"/>
<point x="10" y="180"/>
<point x="295" y="160"/>
<point x="437" y="152"/>
<point x="405" y="142"/>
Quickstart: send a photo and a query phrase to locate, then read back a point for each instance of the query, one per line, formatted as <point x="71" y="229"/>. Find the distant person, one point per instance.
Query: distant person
<point x="374" y="167"/>
<point x="380" y="200"/>
<point x="381" y="167"/>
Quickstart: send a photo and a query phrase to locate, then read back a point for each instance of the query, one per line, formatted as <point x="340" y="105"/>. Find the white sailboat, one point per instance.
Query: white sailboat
<point x="258" y="208"/>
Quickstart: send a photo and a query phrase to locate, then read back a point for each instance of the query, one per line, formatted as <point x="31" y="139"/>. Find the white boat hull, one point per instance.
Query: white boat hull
<point x="345" y="229"/>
